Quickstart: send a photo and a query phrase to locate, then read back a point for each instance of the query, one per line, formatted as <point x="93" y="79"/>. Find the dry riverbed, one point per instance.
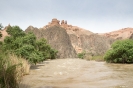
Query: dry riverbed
<point x="78" y="73"/>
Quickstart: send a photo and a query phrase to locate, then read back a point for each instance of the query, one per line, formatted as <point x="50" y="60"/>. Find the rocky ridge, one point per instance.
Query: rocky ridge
<point x="124" y="33"/>
<point x="80" y="39"/>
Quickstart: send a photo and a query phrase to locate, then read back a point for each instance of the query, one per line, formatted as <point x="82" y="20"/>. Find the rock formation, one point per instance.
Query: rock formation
<point x="58" y="38"/>
<point x="34" y="30"/>
<point x="52" y="23"/>
<point x="80" y="39"/>
<point x="69" y="28"/>
<point x="93" y="44"/>
<point x="55" y="22"/>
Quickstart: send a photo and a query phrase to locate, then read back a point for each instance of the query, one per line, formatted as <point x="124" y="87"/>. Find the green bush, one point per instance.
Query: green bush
<point x="27" y="46"/>
<point x="121" y="52"/>
<point x="81" y="55"/>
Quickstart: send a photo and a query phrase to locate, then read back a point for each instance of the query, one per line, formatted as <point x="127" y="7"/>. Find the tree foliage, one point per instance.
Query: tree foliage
<point x="47" y="51"/>
<point x="0" y="34"/>
<point x="27" y="46"/>
<point x="121" y="52"/>
<point x="1" y="26"/>
<point x="0" y="29"/>
<point x="15" y="31"/>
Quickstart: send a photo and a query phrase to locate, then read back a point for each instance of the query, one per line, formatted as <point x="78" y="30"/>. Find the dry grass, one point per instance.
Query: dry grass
<point x="12" y="69"/>
<point x="24" y="69"/>
<point x="96" y="58"/>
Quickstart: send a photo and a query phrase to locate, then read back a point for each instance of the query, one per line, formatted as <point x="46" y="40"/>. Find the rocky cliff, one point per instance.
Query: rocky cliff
<point x="58" y="38"/>
<point x="92" y="44"/>
<point x="56" y="33"/>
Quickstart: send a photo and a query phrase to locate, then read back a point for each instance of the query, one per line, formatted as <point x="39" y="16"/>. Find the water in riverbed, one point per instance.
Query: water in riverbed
<point x="78" y="73"/>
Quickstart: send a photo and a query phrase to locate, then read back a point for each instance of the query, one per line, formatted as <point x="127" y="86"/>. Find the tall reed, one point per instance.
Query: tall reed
<point x="12" y="69"/>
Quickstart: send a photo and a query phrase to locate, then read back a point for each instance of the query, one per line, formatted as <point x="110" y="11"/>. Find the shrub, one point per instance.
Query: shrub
<point x="121" y="52"/>
<point x="81" y="55"/>
<point x="12" y="69"/>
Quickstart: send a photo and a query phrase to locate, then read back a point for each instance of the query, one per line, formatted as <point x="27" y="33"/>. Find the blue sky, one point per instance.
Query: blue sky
<point x="98" y="16"/>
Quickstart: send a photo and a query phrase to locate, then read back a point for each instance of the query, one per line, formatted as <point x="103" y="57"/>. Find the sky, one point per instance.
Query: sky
<point x="98" y="16"/>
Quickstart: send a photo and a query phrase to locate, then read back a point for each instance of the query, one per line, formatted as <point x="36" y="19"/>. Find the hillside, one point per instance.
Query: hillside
<point x="124" y="33"/>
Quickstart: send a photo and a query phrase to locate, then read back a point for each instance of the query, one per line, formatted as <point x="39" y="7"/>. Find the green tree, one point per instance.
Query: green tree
<point x="53" y="53"/>
<point x="121" y="52"/>
<point x="27" y="46"/>
<point x="15" y="31"/>
<point x="29" y="39"/>
<point x="48" y="52"/>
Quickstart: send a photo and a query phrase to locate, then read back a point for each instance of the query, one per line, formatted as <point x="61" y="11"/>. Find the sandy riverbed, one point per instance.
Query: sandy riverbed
<point x="78" y="73"/>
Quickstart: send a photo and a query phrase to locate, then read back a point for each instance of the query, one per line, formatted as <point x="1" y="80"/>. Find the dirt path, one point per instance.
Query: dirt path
<point x="78" y="73"/>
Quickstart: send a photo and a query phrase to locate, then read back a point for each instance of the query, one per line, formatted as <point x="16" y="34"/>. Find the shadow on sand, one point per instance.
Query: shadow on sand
<point x="34" y="67"/>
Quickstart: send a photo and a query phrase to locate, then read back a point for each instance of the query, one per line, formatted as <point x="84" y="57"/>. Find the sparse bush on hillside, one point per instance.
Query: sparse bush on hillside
<point x="121" y="52"/>
<point x="81" y="55"/>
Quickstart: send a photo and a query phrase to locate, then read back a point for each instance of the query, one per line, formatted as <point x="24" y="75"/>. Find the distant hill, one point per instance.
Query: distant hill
<point x="124" y="33"/>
